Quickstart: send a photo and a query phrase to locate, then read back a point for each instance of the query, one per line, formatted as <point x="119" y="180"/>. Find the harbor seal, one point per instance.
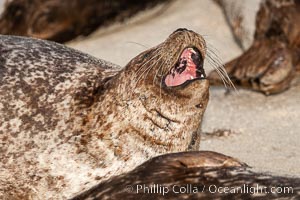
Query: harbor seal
<point x="62" y="21"/>
<point x="194" y="175"/>
<point x="272" y="64"/>
<point x="69" y="121"/>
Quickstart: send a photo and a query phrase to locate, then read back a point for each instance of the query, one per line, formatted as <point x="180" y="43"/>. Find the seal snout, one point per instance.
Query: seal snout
<point x="189" y="67"/>
<point x="180" y="29"/>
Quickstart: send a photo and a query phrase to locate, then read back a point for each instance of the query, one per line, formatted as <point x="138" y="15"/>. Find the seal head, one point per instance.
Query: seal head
<point x="157" y="100"/>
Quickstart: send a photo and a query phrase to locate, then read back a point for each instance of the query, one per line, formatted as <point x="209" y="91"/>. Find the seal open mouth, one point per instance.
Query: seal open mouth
<point x="189" y="67"/>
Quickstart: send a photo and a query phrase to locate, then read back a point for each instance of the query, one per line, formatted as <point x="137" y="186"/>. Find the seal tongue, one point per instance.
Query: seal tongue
<point x="184" y="70"/>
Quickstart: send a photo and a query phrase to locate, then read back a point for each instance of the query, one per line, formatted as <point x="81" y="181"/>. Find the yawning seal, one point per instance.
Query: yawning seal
<point x="69" y="121"/>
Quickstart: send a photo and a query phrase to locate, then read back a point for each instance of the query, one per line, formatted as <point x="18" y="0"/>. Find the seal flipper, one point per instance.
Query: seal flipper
<point x="269" y="65"/>
<point x="266" y="67"/>
<point x="195" y="173"/>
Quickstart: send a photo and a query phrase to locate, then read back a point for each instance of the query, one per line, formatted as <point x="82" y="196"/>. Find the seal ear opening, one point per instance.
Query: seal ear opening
<point x="189" y="67"/>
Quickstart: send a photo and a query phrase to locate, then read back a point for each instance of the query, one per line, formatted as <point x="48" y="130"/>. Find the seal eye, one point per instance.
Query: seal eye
<point x="188" y="68"/>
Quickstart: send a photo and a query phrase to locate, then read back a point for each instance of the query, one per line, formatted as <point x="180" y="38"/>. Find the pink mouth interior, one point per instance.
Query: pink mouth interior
<point x="184" y="70"/>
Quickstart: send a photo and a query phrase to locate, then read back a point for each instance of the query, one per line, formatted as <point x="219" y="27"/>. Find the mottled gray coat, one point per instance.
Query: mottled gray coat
<point x="42" y="86"/>
<point x="69" y="121"/>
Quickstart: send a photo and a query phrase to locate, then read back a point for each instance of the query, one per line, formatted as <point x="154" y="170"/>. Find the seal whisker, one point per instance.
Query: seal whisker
<point x="156" y="53"/>
<point x="147" y="69"/>
<point x="215" y="66"/>
<point x="140" y="73"/>
<point x="211" y="62"/>
<point x="219" y="67"/>
<point x="157" y="71"/>
<point x="150" y="59"/>
<point x="219" y="62"/>
<point x="160" y="85"/>
<point x="139" y="44"/>
<point x="151" y="67"/>
<point x="216" y="63"/>
<point x="142" y="66"/>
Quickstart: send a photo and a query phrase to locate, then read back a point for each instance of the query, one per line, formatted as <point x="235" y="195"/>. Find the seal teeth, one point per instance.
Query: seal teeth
<point x="192" y="77"/>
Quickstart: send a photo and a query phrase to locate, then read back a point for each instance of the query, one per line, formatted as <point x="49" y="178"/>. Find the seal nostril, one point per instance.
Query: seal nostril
<point x="199" y="105"/>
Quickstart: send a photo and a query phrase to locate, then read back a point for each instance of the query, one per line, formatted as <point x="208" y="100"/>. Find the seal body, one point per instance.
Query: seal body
<point x="62" y="21"/>
<point x="272" y="64"/>
<point x="194" y="175"/>
<point x="42" y="86"/>
<point x="70" y="120"/>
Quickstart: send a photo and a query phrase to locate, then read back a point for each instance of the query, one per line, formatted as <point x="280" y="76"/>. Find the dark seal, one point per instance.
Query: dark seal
<point x="62" y="21"/>
<point x="194" y="175"/>
<point x="272" y="64"/>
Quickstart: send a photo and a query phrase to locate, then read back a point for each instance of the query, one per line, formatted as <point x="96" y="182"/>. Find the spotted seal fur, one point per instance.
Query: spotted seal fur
<point x="272" y="64"/>
<point x="69" y="120"/>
